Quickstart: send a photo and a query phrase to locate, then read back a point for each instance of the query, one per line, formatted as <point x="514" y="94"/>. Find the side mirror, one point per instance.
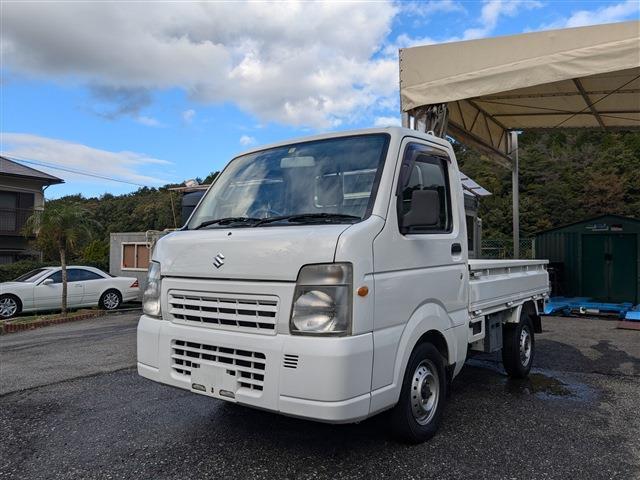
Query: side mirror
<point x="48" y="281"/>
<point x="425" y="210"/>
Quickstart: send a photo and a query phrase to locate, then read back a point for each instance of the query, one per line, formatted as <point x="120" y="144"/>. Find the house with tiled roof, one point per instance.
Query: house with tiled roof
<point x="21" y="193"/>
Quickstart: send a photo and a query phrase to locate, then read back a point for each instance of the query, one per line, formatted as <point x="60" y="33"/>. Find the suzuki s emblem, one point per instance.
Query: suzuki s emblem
<point x="219" y="260"/>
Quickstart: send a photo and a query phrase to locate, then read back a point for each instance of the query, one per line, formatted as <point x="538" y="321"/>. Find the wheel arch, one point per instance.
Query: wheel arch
<point x="16" y="296"/>
<point x="432" y="323"/>
<point x="437" y="339"/>
<point x="527" y="309"/>
<point x="111" y="288"/>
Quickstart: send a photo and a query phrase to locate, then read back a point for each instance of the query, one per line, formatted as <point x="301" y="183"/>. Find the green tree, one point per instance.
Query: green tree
<point x="62" y="226"/>
<point x="96" y="254"/>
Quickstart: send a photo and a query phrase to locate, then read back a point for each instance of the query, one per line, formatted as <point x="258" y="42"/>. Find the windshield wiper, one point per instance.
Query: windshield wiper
<point x="226" y="221"/>
<point x="308" y="217"/>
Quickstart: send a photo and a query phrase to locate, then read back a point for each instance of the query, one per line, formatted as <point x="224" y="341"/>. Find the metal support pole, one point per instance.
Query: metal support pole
<point x="405" y="119"/>
<point x="515" y="174"/>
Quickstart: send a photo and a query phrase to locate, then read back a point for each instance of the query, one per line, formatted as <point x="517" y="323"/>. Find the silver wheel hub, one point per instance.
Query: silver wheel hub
<point x="8" y="307"/>
<point x="425" y="392"/>
<point x="525" y="347"/>
<point x="111" y="301"/>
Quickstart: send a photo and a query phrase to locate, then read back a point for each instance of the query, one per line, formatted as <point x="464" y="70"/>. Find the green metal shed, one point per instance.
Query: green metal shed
<point x="598" y="258"/>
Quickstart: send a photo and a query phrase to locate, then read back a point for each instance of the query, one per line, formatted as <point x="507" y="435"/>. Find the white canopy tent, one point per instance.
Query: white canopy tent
<point x="483" y="91"/>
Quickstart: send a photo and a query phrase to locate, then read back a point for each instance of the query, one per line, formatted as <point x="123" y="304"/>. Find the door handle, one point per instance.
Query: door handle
<point x="456" y="249"/>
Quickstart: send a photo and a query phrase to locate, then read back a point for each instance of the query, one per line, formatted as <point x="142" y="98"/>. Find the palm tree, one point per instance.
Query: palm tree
<point x="60" y="226"/>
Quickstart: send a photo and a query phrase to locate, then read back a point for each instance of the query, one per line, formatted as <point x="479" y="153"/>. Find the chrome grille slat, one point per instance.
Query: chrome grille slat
<point x="175" y="356"/>
<point x="250" y="366"/>
<point x="247" y="313"/>
<point x="219" y="315"/>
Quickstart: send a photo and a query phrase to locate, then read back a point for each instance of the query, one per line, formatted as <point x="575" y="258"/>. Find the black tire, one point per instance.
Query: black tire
<point x="518" y="347"/>
<point x="10" y="306"/>
<point x="110" y="300"/>
<point x="405" y="424"/>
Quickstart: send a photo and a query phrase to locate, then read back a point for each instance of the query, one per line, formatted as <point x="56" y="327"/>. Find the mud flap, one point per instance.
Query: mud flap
<point x="537" y="323"/>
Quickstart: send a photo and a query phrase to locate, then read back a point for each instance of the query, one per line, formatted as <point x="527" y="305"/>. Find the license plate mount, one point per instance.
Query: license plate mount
<point x="213" y="378"/>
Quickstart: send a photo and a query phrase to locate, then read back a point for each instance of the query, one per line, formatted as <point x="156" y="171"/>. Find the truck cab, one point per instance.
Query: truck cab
<point x="328" y="278"/>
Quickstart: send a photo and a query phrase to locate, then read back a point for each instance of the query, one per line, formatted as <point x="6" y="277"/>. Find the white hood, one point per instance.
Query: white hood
<point x="262" y="253"/>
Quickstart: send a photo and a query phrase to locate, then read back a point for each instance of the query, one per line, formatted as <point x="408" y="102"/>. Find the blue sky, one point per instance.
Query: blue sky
<point x="152" y="95"/>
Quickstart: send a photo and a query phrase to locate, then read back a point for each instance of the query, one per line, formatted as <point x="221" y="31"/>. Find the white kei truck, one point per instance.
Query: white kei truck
<point x="328" y="279"/>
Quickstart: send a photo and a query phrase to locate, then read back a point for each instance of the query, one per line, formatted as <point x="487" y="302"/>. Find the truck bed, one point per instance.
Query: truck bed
<point x="498" y="284"/>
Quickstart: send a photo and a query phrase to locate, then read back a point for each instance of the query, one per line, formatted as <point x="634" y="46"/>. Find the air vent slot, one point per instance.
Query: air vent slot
<point x="290" y="361"/>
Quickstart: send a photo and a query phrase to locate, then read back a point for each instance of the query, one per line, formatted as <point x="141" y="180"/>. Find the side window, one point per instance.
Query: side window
<point x="56" y="277"/>
<point x="88" y="275"/>
<point x="424" y="198"/>
<point x="470" y="232"/>
<point x="75" y="275"/>
<point x="135" y="256"/>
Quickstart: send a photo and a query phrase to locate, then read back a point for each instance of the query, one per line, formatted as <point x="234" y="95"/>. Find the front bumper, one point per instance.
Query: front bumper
<point x="326" y="379"/>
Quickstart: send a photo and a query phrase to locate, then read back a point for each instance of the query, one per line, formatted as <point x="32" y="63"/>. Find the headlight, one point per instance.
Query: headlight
<point x="322" y="300"/>
<point x="151" y="296"/>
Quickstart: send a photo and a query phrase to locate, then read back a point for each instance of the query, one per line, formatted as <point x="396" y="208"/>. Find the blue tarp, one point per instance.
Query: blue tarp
<point x="633" y="314"/>
<point x="587" y="306"/>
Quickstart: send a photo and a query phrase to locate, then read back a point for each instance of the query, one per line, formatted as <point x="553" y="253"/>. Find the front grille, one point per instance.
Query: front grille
<point x="249" y="366"/>
<point x="250" y="313"/>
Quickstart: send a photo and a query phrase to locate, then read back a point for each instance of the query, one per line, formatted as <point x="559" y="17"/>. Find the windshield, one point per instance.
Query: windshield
<point x="32" y="276"/>
<point x="333" y="180"/>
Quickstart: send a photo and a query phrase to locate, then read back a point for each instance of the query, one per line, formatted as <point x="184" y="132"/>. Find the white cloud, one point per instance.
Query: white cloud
<point x="188" y="115"/>
<point x="246" y="140"/>
<point x="306" y="63"/>
<point x="148" y="121"/>
<point x="629" y="9"/>
<point x="491" y="13"/>
<point x="429" y="8"/>
<point x="405" y="41"/>
<point x="387" y="122"/>
<point x="120" y="165"/>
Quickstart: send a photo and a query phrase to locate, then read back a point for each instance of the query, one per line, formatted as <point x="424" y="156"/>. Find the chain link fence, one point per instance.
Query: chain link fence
<point x="503" y="249"/>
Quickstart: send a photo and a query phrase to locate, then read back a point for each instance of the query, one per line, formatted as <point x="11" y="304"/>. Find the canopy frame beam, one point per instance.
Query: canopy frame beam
<point x="589" y="103"/>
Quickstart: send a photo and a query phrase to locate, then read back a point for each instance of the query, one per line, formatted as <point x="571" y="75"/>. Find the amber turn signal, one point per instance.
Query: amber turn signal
<point x="363" y="291"/>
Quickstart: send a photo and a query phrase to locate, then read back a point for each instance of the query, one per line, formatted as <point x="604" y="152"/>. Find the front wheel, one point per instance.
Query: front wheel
<point x="110" y="300"/>
<point x="518" y="348"/>
<point x="417" y="415"/>
<point x="9" y="306"/>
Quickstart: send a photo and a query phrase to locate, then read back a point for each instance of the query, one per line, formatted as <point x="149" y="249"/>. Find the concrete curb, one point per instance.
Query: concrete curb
<point x="627" y="325"/>
<point x="6" y="328"/>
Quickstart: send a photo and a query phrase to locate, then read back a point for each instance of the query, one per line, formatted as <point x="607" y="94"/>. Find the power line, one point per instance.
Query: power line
<point x="70" y="170"/>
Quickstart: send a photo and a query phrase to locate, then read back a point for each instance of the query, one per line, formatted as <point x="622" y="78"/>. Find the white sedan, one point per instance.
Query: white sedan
<point x="41" y="289"/>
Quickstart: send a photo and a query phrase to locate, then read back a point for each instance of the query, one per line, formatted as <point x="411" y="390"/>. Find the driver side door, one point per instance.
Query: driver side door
<point x="49" y="297"/>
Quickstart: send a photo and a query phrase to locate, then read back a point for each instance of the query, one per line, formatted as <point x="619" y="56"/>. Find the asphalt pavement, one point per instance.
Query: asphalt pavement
<point x="73" y="407"/>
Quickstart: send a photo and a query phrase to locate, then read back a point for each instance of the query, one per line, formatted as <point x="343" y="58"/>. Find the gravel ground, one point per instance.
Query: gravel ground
<point x="576" y="417"/>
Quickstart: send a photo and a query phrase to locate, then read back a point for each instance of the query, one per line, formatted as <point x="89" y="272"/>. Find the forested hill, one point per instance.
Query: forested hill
<point x="564" y="177"/>
<point x="145" y="209"/>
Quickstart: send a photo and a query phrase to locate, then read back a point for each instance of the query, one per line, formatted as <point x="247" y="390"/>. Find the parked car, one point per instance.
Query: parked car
<point x="41" y="289"/>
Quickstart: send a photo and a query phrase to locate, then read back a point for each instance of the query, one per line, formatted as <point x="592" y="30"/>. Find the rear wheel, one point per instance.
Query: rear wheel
<point x="417" y="415"/>
<point x="110" y="300"/>
<point x="9" y="306"/>
<point x="518" y="347"/>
